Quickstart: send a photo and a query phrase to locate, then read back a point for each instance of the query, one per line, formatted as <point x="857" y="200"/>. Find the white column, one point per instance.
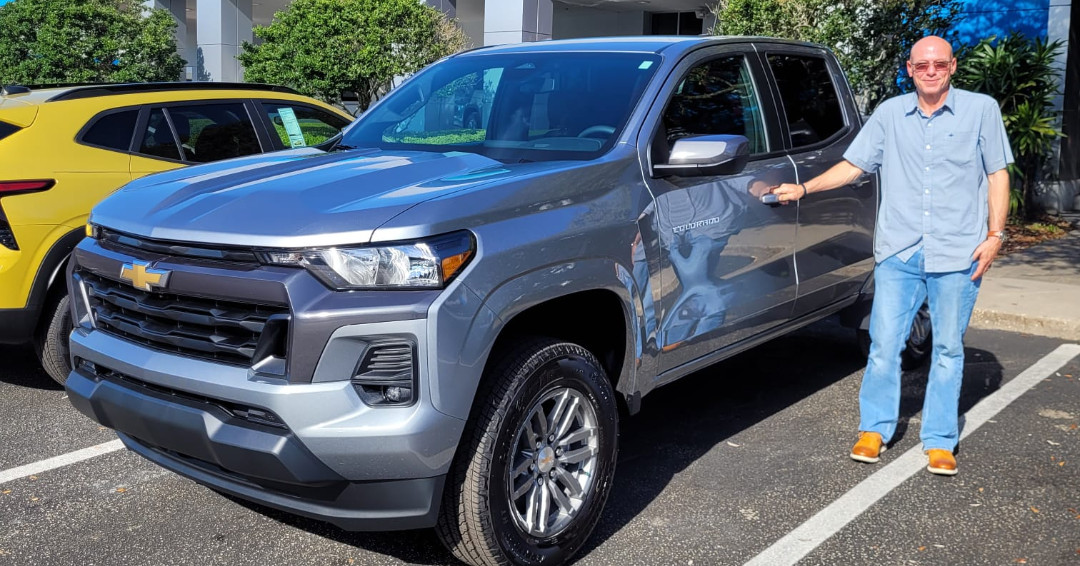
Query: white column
<point x="448" y="7"/>
<point x="184" y="45"/>
<point x="1057" y="28"/>
<point x="222" y="26"/>
<point x="515" y="21"/>
<point x="1061" y="195"/>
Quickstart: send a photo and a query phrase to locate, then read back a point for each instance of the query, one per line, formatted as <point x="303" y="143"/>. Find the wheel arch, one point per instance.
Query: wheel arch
<point x="595" y="311"/>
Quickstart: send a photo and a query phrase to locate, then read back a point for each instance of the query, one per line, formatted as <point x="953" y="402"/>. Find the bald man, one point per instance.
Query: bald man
<point x="942" y="154"/>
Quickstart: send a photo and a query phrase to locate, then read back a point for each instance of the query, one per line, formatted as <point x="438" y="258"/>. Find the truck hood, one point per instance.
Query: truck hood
<point x="299" y="198"/>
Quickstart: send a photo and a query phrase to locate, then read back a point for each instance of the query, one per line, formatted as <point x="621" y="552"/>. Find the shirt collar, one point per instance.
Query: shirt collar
<point x="912" y="103"/>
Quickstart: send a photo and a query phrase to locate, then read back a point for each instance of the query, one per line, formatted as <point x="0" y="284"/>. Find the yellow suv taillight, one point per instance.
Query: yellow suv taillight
<point x="11" y="188"/>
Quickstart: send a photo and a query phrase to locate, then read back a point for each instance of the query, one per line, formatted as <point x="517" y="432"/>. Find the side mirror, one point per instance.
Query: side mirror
<point x="701" y="156"/>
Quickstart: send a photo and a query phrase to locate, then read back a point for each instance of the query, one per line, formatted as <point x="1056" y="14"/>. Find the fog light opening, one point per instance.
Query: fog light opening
<point x="386" y="373"/>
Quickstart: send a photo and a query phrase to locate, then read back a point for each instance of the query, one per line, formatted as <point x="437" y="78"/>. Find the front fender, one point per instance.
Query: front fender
<point x="458" y="376"/>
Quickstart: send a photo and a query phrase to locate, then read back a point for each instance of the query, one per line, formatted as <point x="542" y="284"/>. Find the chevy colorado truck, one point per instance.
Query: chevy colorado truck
<point x="437" y="322"/>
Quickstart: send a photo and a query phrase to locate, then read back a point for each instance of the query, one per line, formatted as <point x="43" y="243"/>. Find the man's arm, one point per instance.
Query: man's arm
<point x="998" y="189"/>
<point x="843" y="173"/>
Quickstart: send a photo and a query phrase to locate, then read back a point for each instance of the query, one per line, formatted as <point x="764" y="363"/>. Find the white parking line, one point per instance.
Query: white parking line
<point x="827" y="522"/>
<point x="59" y="461"/>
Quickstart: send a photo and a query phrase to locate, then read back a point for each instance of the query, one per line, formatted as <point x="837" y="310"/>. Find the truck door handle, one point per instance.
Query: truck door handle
<point x="770" y="199"/>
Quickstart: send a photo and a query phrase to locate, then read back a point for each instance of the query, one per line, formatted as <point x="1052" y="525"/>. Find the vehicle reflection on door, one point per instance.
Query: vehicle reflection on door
<point x="726" y="260"/>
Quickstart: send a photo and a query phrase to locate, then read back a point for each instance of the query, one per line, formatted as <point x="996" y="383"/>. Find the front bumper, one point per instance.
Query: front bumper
<point x="324" y="454"/>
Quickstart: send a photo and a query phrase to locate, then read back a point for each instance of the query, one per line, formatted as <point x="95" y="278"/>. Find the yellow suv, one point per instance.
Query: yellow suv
<point x="64" y="149"/>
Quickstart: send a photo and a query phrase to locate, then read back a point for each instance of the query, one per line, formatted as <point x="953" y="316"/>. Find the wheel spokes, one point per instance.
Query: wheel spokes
<point x="553" y="462"/>
<point x="569" y="481"/>
<point x="577" y="456"/>
<point x="560" y="498"/>
<point x="579" y="435"/>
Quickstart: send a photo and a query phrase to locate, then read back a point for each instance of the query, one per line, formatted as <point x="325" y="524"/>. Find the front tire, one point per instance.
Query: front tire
<point x="52" y="343"/>
<point x="535" y="466"/>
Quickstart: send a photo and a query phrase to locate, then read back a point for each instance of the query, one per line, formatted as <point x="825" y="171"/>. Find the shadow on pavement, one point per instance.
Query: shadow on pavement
<point x="688" y="419"/>
<point x="982" y="377"/>
<point x="21" y="367"/>
<point x="413" y="547"/>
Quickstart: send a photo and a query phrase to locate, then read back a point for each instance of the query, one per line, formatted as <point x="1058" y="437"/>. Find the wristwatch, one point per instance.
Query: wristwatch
<point x="1000" y="234"/>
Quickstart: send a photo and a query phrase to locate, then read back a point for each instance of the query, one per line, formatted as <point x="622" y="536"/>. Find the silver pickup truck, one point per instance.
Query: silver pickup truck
<point x="438" y="322"/>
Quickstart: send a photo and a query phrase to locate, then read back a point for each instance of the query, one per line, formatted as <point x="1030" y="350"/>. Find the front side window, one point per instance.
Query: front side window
<point x="811" y="105"/>
<point x="298" y="125"/>
<point x="512" y="107"/>
<point x="210" y="132"/>
<point x="716" y="97"/>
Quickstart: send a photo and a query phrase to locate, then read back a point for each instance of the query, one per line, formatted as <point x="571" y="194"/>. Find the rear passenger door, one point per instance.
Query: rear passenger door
<point x="177" y="134"/>
<point x="724" y="269"/>
<point x="834" y="246"/>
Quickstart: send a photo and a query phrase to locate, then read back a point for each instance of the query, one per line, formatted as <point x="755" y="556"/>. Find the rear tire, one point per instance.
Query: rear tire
<point x="472" y="120"/>
<point x="536" y="463"/>
<point x="52" y="343"/>
<point x="919" y="343"/>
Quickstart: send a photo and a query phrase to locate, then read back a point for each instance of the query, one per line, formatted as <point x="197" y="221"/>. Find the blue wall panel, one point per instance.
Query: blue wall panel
<point x="983" y="18"/>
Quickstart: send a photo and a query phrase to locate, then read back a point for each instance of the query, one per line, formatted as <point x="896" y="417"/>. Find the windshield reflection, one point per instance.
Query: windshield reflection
<point x="511" y="107"/>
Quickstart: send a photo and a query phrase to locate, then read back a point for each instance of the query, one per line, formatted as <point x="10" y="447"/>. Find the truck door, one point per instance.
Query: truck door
<point x="835" y="244"/>
<point x="726" y="260"/>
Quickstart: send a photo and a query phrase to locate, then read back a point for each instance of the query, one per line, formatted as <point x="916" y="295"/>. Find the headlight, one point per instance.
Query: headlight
<point x="426" y="264"/>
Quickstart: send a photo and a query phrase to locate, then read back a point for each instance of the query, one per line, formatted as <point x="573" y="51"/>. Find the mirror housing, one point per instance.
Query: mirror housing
<point x="702" y="156"/>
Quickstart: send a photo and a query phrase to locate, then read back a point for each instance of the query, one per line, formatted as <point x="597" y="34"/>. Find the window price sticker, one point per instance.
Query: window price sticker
<point x="292" y="127"/>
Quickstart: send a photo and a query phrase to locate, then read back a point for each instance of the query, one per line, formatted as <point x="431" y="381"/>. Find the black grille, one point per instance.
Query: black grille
<point x="225" y="331"/>
<point x="119" y="241"/>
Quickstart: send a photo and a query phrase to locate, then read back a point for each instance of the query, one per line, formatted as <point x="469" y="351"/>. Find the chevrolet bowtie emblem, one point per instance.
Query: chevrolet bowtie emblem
<point x="144" y="277"/>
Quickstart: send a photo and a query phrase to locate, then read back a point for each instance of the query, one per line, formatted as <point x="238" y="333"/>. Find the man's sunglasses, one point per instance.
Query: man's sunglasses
<point x="923" y="66"/>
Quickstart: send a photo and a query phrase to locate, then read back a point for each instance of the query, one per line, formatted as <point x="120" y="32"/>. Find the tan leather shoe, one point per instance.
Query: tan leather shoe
<point x="942" y="462"/>
<point x="868" y="448"/>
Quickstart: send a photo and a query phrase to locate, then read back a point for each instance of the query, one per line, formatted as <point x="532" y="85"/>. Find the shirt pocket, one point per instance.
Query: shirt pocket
<point x="960" y="146"/>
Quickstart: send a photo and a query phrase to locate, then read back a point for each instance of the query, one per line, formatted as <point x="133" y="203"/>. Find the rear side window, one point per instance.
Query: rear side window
<point x="300" y="126"/>
<point x="112" y="131"/>
<point x="811" y="104"/>
<point x="158" y="140"/>
<point x="209" y="132"/>
<point x="7" y="129"/>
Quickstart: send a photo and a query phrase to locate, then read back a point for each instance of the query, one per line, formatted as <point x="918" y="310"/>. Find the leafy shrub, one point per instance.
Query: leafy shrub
<point x="444" y="137"/>
<point x="64" y="41"/>
<point x="324" y="48"/>
<point x="1019" y="74"/>
<point x="871" y="38"/>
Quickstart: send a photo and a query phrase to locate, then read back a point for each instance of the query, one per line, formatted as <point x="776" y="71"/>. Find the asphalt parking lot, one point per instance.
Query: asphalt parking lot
<point x="745" y="461"/>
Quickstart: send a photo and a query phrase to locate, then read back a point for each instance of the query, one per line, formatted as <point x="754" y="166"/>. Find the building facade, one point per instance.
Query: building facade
<point x="211" y="33"/>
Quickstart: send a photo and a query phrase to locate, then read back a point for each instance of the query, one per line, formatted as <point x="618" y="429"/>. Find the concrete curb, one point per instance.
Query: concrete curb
<point x="1013" y="322"/>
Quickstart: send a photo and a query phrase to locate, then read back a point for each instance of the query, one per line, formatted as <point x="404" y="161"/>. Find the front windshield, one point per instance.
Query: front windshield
<point x="511" y="107"/>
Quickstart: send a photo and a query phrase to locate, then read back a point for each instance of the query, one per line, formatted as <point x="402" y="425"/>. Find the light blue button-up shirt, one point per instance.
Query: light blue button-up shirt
<point x="933" y="175"/>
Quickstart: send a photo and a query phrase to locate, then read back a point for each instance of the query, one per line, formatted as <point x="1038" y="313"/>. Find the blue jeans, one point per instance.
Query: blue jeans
<point x="899" y="291"/>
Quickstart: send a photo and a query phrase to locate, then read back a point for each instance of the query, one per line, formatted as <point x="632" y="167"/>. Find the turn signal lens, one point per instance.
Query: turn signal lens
<point x="452" y="264"/>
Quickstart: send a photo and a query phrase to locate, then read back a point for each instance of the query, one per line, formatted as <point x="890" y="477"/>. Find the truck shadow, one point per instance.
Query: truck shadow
<point x="681" y="423"/>
<point x="21" y="367"/>
<point x="684" y="421"/>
